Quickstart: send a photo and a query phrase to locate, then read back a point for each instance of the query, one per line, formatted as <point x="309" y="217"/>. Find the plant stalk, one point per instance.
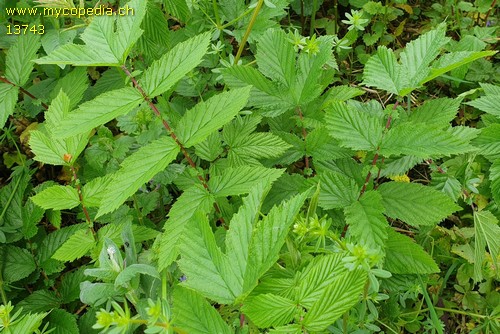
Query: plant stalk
<point x="249" y="29"/>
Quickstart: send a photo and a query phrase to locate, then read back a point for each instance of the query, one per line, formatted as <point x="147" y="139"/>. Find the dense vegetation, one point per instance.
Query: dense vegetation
<point x="232" y="166"/>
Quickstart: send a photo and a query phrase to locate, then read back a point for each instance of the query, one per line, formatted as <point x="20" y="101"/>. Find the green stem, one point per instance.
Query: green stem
<point x="10" y="198"/>
<point x="230" y="23"/>
<point x="247" y="32"/>
<point x="216" y="11"/>
<point x="2" y="291"/>
<point x="136" y="207"/>
<point x="449" y="310"/>
<point x="432" y="308"/>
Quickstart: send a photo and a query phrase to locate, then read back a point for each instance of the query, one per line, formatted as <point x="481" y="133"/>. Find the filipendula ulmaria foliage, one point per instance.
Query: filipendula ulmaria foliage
<point x="238" y="251"/>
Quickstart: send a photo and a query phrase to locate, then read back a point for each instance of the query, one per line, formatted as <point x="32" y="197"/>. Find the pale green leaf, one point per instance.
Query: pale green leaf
<point x="422" y="140"/>
<point x="276" y="57"/>
<point x="19" y="58"/>
<point x="28" y="323"/>
<point x="95" y="190"/>
<point x="136" y="170"/>
<point x="195" y="315"/>
<point x="208" y="116"/>
<point x="194" y="198"/>
<point x="98" y="111"/>
<point x="168" y="70"/>
<point x="17" y="263"/>
<point x="487" y="234"/>
<point x="342" y="294"/>
<point x="337" y="190"/>
<point x="404" y="256"/>
<point x="128" y="29"/>
<point x="383" y="72"/>
<point x="96" y="294"/>
<point x="8" y="99"/>
<point x="270" y="310"/>
<point x="367" y="222"/>
<point x="78" y="245"/>
<point x="133" y="270"/>
<point x="353" y="128"/>
<point x="57" y="198"/>
<point x="47" y="150"/>
<point x="419" y="53"/>
<point x="416" y="204"/>
<point x="239" y="180"/>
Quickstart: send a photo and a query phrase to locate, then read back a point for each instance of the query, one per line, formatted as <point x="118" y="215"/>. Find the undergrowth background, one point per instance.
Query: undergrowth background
<point x="231" y="166"/>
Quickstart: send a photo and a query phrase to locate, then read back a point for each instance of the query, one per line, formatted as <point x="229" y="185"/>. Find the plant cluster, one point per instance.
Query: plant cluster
<point x="270" y="166"/>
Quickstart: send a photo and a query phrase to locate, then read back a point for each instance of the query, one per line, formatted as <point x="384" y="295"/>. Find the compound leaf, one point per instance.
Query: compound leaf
<point x="57" y="198"/>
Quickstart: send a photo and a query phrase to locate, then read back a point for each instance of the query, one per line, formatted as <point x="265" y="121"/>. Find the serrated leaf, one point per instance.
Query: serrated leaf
<point x="193" y="199"/>
<point x="208" y="116"/>
<point x="419" y="53"/>
<point x="416" y="204"/>
<point x="98" y="111"/>
<point x="136" y="170"/>
<point x="28" y="323"/>
<point x="17" y="263"/>
<point x="321" y="146"/>
<point x="39" y="301"/>
<point x="78" y="245"/>
<point x="19" y="57"/>
<point x="437" y="112"/>
<point x="260" y="145"/>
<point x="57" y="198"/>
<point x="195" y="315"/>
<point x="62" y="322"/>
<point x="489" y="103"/>
<point x="488" y="142"/>
<point x="404" y="256"/>
<point x="353" y="128"/>
<point x="342" y="294"/>
<point x="422" y="140"/>
<point x="240" y="180"/>
<point x="70" y="285"/>
<point x="8" y="99"/>
<point x="337" y="190"/>
<point x="384" y="72"/>
<point x="367" y="222"/>
<point x="495" y="180"/>
<point x="94" y="190"/>
<point x="487" y="233"/>
<point x="168" y="70"/>
<point x="270" y="310"/>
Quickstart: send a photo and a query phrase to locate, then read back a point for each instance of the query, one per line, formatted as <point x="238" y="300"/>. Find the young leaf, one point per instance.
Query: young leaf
<point x="195" y="315"/>
<point x="19" y="57"/>
<point x="57" y="198"/>
<point x="367" y="222"/>
<point x="78" y="245"/>
<point x="98" y="111"/>
<point x="166" y="71"/>
<point x="270" y="310"/>
<point x="416" y="204"/>
<point x="487" y="233"/>
<point x="404" y="256"/>
<point x="208" y="116"/>
<point x="353" y="128"/>
<point x="136" y="170"/>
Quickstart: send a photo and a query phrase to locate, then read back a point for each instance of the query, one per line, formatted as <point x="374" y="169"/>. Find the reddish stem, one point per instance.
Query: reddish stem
<point x="45" y="106"/>
<point x="80" y="195"/>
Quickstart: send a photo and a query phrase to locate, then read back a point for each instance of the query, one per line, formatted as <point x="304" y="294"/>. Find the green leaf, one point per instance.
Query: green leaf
<point x="240" y="180"/>
<point x="132" y="270"/>
<point x="276" y="57"/>
<point x="136" y="170"/>
<point x="103" y="46"/>
<point x="490" y="103"/>
<point x="62" y="322"/>
<point x="78" y="245"/>
<point x="193" y="199"/>
<point x="419" y="53"/>
<point x="337" y="190"/>
<point x="17" y="263"/>
<point x="39" y="301"/>
<point x="8" y="100"/>
<point x="96" y="294"/>
<point x="416" y="204"/>
<point x="259" y="145"/>
<point x="404" y="256"/>
<point x="437" y="112"/>
<point x="383" y="71"/>
<point x="422" y="140"/>
<point x="28" y="323"/>
<point x="208" y="116"/>
<point x="342" y="294"/>
<point x="98" y="111"/>
<point x="487" y="233"/>
<point x="195" y="315"/>
<point x="174" y="65"/>
<point x="178" y="9"/>
<point x="19" y="63"/>
<point x="488" y="142"/>
<point x="57" y="198"/>
<point x="94" y="190"/>
<point x="495" y="180"/>
<point x="367" y="222"/>
<point x="270" y="310"/>
<point x="353" y="128"/>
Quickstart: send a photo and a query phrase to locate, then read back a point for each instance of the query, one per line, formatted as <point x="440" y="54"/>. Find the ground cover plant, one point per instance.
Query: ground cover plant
<point x="231" y="166"/>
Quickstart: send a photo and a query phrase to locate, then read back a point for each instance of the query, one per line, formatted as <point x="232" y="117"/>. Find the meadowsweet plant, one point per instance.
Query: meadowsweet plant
<point x="199" y="167"/>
